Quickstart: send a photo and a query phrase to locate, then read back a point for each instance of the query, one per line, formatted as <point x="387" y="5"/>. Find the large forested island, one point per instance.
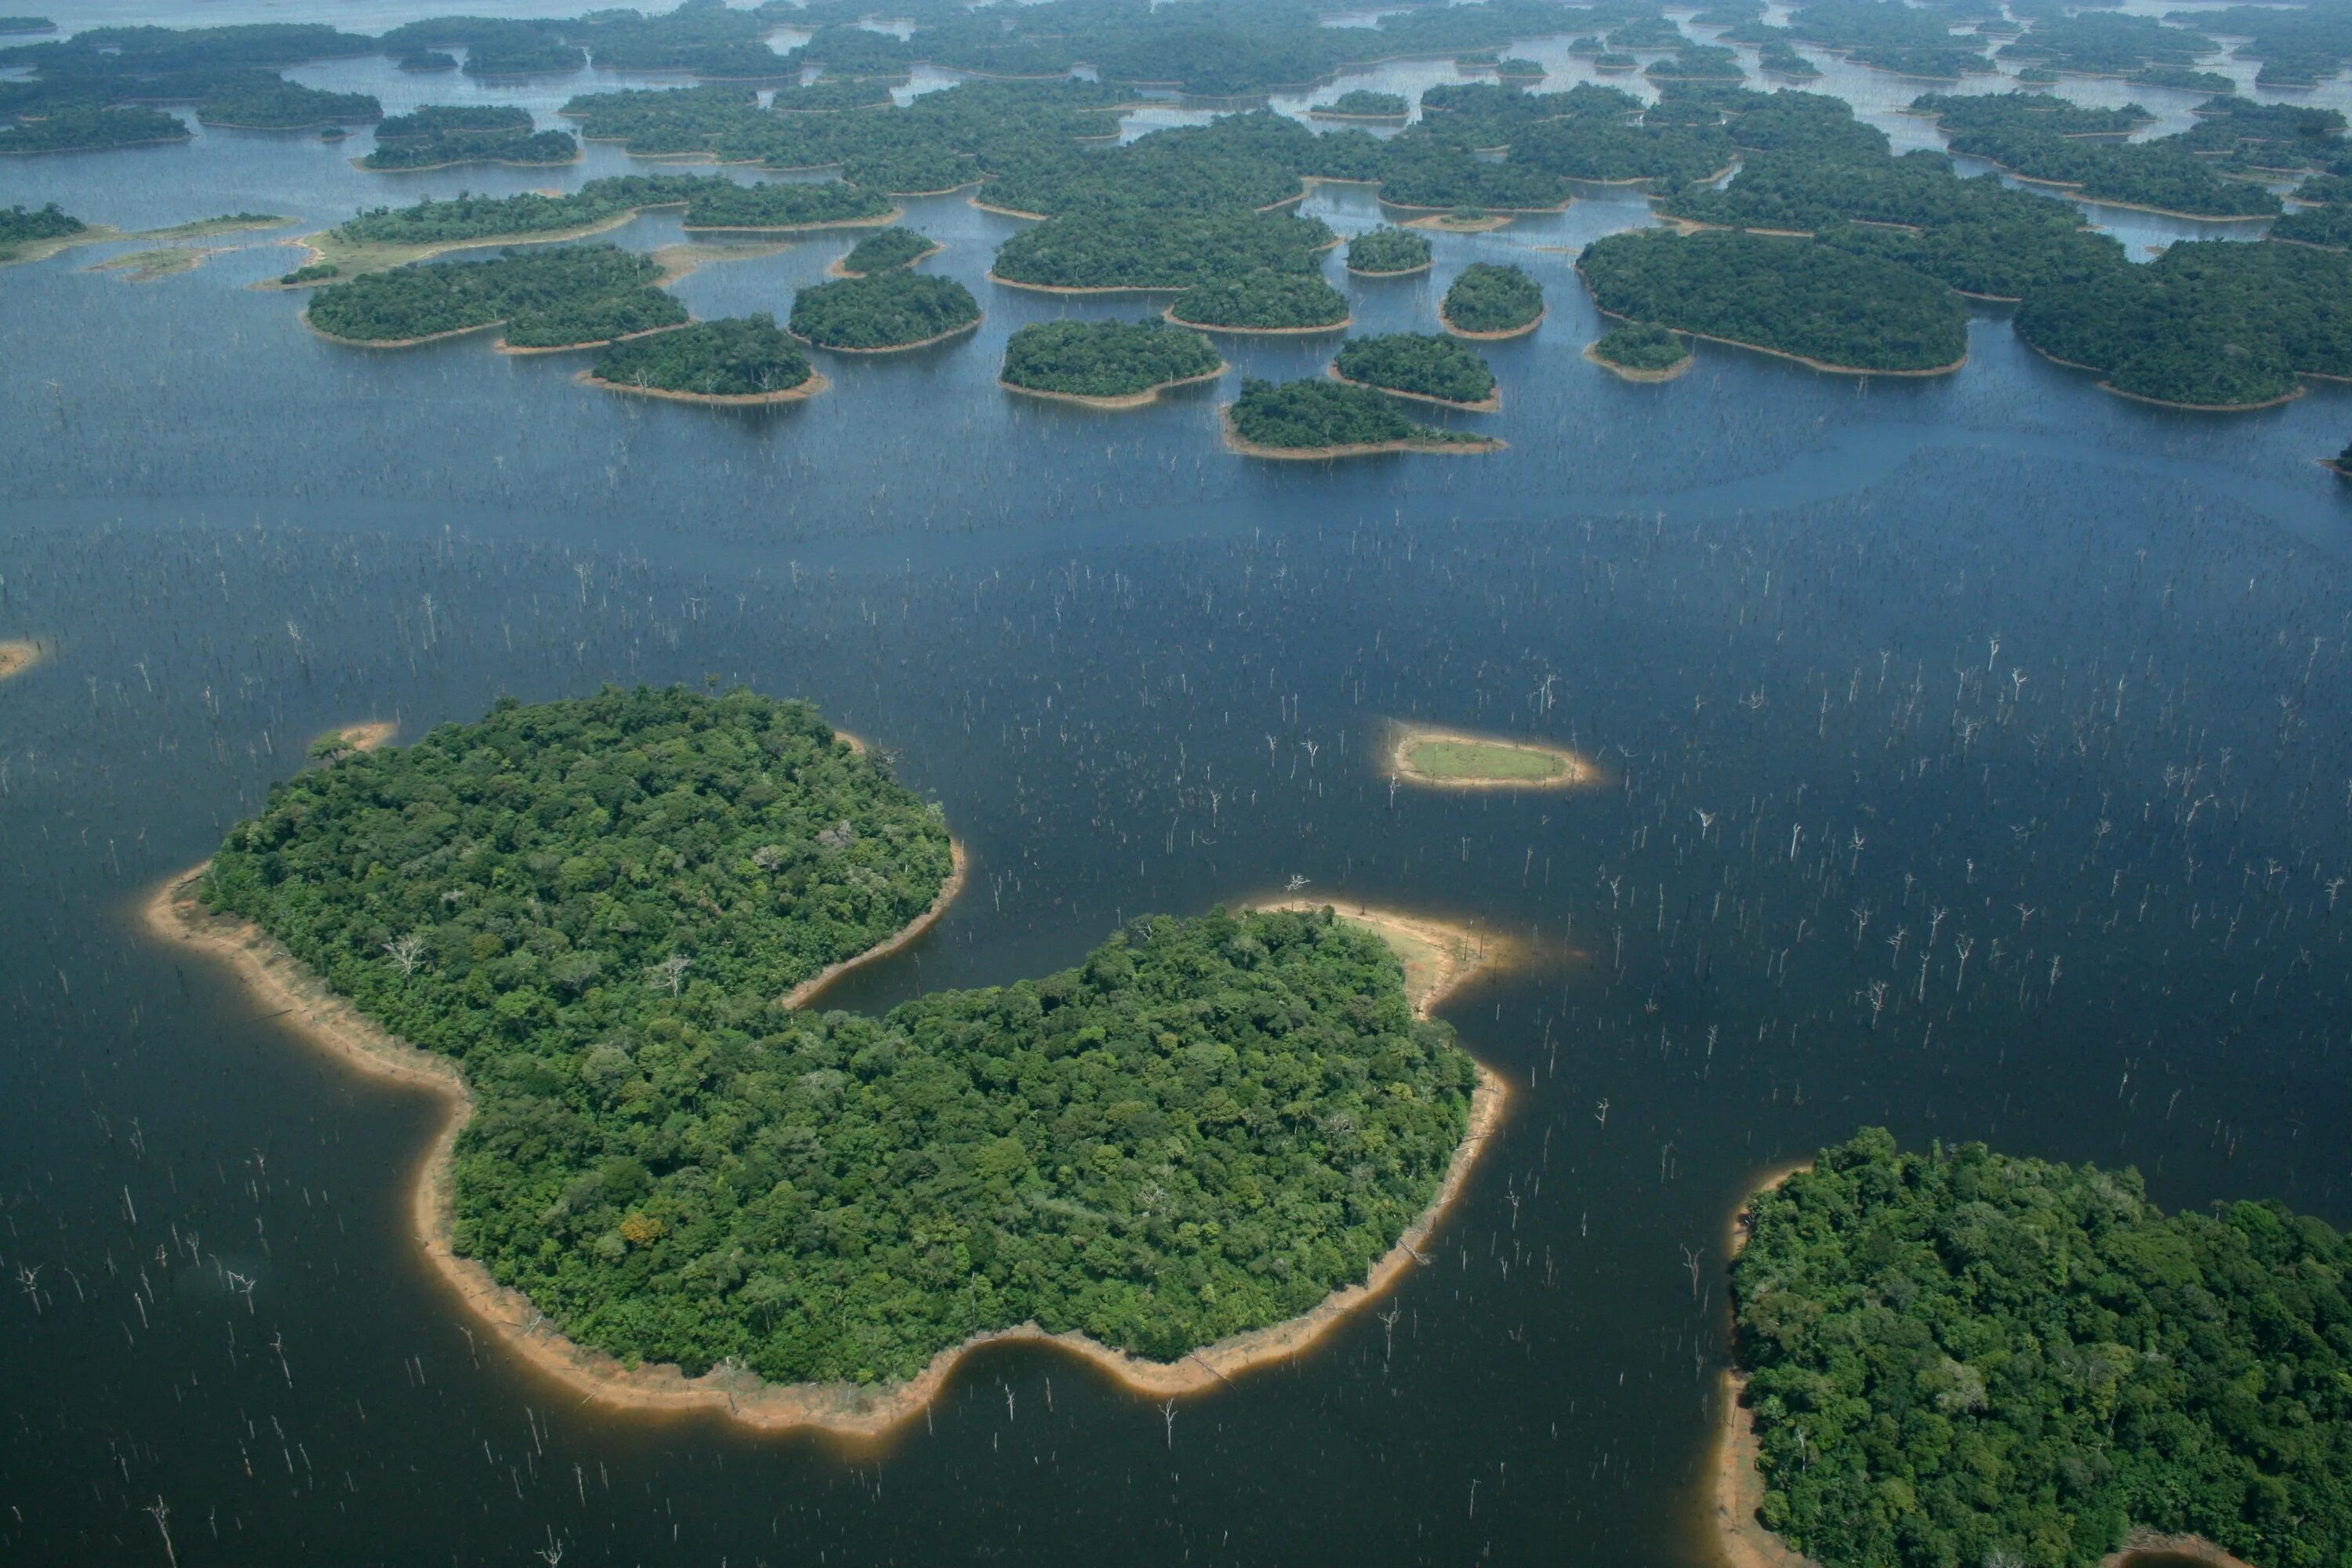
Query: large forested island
<point x="560" y="297"/>
<point x="889" y="310"/>
<point x="594" y="909"/>
<point x="1107" y="364"/>
<point x="444" y="136"/>
<point x="1830" y="308"/>
<point x="1956" y="1356"/>
<point x="735" y="359"/>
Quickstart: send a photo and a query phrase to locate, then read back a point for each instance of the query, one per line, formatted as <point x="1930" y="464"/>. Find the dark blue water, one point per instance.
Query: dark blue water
<point x="1995" y="660"/>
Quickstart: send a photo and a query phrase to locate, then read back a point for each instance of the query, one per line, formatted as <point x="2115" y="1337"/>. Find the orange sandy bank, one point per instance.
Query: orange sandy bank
<point x="1643" y="377"/>
<point x="815" y="384"/>
<point x="284" y="986"/>
<point x="16" y="657"/>
<point x="362" y="737"/>
<point x="1143" y="399"/>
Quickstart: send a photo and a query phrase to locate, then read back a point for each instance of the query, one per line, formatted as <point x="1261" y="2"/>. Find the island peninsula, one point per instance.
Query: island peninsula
<point x="2140" y="1384"/>
<point x="594" y="1266"/>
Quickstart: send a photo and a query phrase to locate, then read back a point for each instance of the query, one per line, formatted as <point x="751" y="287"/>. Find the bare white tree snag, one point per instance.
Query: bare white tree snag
<point x="405" y="951"/>
<point x="671" y="971"/>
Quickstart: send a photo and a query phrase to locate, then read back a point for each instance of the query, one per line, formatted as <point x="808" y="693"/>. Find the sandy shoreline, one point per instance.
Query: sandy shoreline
<point x="836" y="269"/>
<point x="18" y="655"/>
<point x="1173" y="320"/>
<point x="1579" y="773"/>
<point x="1494" y="337"/>
<point x="972" y="325"/>
<point x="815" y="384"/>
<point x="1490" y="403"/>
<point x="1236" y="442"/>
<point x="1643" y="377"/>
<point x="1143" y="399"/>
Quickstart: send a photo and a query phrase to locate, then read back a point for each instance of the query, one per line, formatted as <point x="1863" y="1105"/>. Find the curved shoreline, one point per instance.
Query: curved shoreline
<point x="1441" y="223"/>
<point x="505" y="347"/>
<point x="1819" y="364"/>
<point x="1080" y="290"/>
<point x="275" y="978"/>
<point x="835" y="269"/>
<point x="1638" y="375"/>
<point x="1124" y="401"/>
<point x="1236" y="442"/>
<point x="815" y="384"/>
<point x="1490" y="403"/>
<point x="883" y="221"/>
<point x="1576" y="770"/>
<point x="1342" y="325"/>
<point x="1495" y="337"/>
<point x="895" y="348"/>
<point x="1428" y="265"/>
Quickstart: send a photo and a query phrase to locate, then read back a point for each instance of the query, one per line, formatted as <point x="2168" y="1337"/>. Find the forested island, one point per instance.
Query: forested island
<point x="1153" y="250"/>
<point x="1362" y="103"/>
<point x="1107" y="364"/>
<point x="2039" y="137"/>
<point x="885" y="313"/>
<point x="737" y="360"/>
<point x="1319" y="419"/>
<point x="675" y="1169"/>
<point x="27" y="234"/>
<point x="559" y="297"/>
<point x="1958" y="1356"/>
<point x="1263" y="302"/>
<point x="792" y="205"/>
<point x="1490" y="301"/>
<point x="884" y="250"/>
<point x="1431" y="368"/>
<point x="441" y="137"/>
<point x="1388" y="253"/>
<point x="1798" y="298"/>
<point x="81" y="130"/>
<point x="2209" y="324"/>
<point x="263" y="100"/>
<point x="1640" y="353"/>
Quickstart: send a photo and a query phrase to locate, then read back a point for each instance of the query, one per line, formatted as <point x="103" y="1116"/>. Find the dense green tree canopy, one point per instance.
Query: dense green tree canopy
<point x="888" y="310"/>
<point x="2208" y="323"/>
<point x="1262" y="301"/>
<point x="1486" y="298"/>
<point x="543" y="149"/>
<point x="794" y="204"/>
<point x="1362" y="103"/>
<point x="1797" y="297"/>
<point x="76" y="130"/>
<point x="20" y="225"/>
<point x="1158" y="250"/>
<point x="1382" y="252"/>
<point x="593" y="907"/>
<point x="265" y="101"/>
<point x="1315" y="415"/>
<point x="1427" y="365"/>
<point x="1958" y="1357"/>
<point x="737" y="356"/>
<point x="1642" y="348"/>
<point x="886" y="248"/>
<point x="1106" y="359"/>
<point x="554" y="297"/>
